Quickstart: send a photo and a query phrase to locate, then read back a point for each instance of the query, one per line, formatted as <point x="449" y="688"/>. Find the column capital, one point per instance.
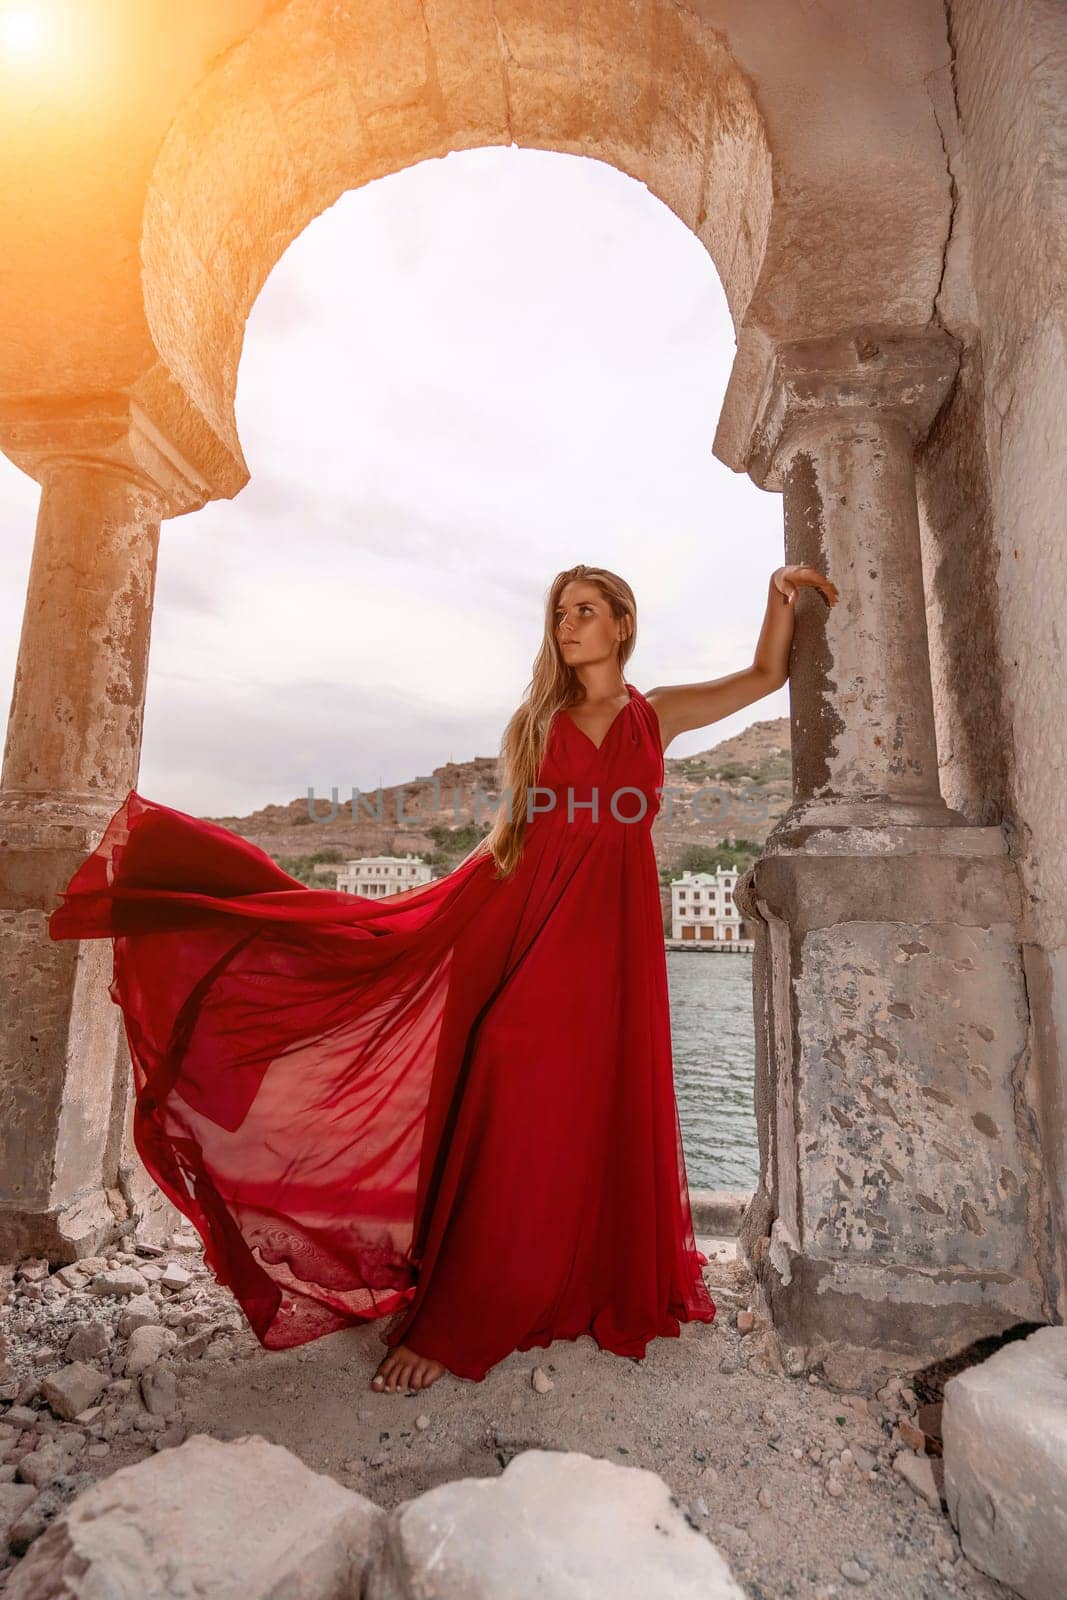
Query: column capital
<point x="109" y="431"/>
<point x="778" y="390"/>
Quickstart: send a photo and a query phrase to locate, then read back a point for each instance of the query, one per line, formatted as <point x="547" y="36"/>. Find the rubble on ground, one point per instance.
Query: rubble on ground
<point x="809" y="1482"/>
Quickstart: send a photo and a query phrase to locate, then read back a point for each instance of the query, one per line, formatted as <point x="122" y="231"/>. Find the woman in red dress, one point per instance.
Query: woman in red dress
<point x="452" y="1107"/>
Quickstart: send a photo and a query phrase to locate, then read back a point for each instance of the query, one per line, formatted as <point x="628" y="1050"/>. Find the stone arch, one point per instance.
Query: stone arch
<point x="324" y="96"/>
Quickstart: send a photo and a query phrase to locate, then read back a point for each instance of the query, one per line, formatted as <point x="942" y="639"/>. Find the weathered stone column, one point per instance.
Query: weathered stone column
<point x="901" y="1207"/>
<point x="837" y="435"/>
<point x="69" y="1178"/>
<point x="74" y="732"/>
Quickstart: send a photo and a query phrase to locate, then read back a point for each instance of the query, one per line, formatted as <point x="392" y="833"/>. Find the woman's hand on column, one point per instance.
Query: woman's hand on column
<point x="790" y="580"/>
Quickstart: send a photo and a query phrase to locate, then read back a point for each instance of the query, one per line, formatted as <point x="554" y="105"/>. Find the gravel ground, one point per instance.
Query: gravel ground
<point x="808" y="1487"/>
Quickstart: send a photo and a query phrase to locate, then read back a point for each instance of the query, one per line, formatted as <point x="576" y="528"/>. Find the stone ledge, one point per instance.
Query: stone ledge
<point x="718" y="1212"/>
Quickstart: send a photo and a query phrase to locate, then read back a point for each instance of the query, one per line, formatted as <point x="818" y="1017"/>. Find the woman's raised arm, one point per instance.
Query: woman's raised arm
<point x="683" y="706"/>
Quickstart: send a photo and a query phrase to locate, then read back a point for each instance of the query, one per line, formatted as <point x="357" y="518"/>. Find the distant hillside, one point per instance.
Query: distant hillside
<point x="728" y="795"/>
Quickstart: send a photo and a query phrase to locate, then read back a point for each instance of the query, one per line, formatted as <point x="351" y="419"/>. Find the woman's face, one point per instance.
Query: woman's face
<point x="586" y="631"/>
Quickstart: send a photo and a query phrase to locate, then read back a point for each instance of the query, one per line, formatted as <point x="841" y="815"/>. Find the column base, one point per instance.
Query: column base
<point x="902" y="1314"/>
<point x="93" y="1224"/>
<point x="71" y="1182"/>
<point x="902" y="1204"/>
<point x="99" y="1222"/>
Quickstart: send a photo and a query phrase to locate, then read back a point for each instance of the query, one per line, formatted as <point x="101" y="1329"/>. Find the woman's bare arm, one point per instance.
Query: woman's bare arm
<point x="683" y="706"/>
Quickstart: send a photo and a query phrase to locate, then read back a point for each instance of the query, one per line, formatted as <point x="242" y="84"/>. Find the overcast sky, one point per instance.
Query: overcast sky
<point x="459" y="380"/>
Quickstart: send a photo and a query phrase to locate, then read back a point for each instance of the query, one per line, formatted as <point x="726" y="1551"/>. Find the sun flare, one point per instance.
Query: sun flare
<point x="23" y="31"/>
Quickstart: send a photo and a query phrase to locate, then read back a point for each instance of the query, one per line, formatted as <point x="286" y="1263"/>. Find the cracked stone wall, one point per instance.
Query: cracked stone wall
<point x="908" y="1102"/>
<point x="993" y="485"/>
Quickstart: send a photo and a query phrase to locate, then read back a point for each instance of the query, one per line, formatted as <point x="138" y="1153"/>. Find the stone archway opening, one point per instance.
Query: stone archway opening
<point x="312" y="278"/>
<point x="652" y="90"/>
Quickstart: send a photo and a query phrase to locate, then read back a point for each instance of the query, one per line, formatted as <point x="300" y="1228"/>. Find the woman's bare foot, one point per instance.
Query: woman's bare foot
<point x="404" y="1368"/>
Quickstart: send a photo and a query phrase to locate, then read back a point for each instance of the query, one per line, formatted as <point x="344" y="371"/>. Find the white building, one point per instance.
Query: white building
<point x="702" y="906"/>
<point x="378" y="875"/>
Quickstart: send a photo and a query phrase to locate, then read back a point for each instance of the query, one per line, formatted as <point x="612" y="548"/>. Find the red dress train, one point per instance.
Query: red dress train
<point x="453" y="1107"/>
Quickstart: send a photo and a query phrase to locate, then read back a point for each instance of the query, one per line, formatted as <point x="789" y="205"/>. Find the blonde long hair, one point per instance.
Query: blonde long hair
<point x="554" y="685"/>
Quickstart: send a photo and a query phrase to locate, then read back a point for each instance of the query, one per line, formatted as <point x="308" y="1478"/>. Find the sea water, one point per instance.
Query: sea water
<point x="713" y="1042"/>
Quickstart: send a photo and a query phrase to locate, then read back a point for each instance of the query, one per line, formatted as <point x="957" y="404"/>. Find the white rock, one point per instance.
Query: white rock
<point x="148" y="1422"/>
<point x="541" y="1380"/>
<point x="175" y="1277"/>
<point x="34" y="1269"/>
<point x="74" y="1389"/>
<point x="21" y="1417"/>
<point x="556" y="1524"/>
<point x="237" y="1520"/>
<point x="71" y="1276"/>
<point x="918" y="1471"/>
<point x="140" y="1315"/>
<point x="146" y="1345"/>
<point x="159" y="1390"/>
<point x="43" y="1465"/>
<point x="122" y="1281"/>
<point x="14" y="1500"/>
<point x="1004" y="1425"/>
<point x="88" y="1340"/>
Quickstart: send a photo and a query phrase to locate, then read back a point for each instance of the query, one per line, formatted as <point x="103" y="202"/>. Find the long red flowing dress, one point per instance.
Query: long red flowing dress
<point x="452" y="1107"/>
